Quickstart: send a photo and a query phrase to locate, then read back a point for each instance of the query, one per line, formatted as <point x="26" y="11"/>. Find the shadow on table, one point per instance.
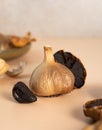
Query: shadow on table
<point x="78" y="114"/>
<point x="95" y="91"/>
<point x="8" y="96"/>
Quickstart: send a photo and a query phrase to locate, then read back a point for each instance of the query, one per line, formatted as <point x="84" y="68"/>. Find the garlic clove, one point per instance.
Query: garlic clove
<point x="16" y="71"/>
<point x="22" y="93"/>
<point x="74" y="64"/>
<point x="3" y="66"/>
<point x="51" y="78"/>
<point x="93" y="109"/>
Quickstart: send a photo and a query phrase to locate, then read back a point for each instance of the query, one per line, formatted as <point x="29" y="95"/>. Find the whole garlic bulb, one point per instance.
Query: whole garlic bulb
<point x="51" y="78"/>
<point x="3" y="66"/>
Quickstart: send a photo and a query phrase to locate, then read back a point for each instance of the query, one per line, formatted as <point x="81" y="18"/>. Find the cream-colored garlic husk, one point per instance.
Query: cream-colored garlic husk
<point x="51" y="78"/>
<point x="3" y="66"/>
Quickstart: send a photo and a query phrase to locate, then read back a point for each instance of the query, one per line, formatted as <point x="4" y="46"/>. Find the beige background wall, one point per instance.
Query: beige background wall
<point x="52" y="18"/>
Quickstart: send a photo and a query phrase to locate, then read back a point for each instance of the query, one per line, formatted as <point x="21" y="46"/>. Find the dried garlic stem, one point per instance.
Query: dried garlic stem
<point x="48" y="54"/>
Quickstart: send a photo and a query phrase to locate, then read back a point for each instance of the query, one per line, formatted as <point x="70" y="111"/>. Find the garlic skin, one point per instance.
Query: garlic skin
<point x="3" y="66"/>
<point x="16" y="71"/>
<point x="51" y="78"/>
<point x="21" y="41"/>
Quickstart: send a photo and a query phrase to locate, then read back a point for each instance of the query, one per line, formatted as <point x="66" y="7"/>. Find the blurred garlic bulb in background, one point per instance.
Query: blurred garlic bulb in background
<point x="51" y="78"/>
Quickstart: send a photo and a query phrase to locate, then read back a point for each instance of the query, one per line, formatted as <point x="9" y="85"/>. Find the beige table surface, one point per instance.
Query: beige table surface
<point x="57" y="113"/>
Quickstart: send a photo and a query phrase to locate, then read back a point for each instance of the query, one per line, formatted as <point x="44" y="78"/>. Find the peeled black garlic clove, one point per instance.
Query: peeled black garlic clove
<point x="23" y="94"/>
<point x="51" y="78"/>
<point x="95" y="126"/>
<point x="93" y="109"/>
<point x="74" y="64"/>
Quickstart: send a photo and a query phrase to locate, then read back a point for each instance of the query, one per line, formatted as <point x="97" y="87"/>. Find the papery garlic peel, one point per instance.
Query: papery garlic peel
<point x="3" y="66"/>
<point x="21" y="41"/>
<point x="51" y="78"/>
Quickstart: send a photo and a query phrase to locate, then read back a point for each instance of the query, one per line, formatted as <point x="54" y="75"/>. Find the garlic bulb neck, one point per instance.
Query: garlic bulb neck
<point x="48" y="54"/>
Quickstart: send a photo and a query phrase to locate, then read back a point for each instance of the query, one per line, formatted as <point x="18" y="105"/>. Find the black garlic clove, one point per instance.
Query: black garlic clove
<point x="74" y="64"/>
<point x="93" y="109"/>
<point x="23" y="94"/>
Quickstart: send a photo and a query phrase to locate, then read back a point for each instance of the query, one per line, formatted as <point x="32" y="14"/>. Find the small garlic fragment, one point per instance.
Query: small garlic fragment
<point x="51" y="78"/>
<point x="16" y="71"/>
<point x="3" y="66"/>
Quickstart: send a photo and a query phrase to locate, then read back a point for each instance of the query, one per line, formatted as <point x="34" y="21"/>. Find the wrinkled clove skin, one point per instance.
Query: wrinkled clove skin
<point x="93" y="109"/>
<point x="23" y="94"/>
<point x="74" y="64"/>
